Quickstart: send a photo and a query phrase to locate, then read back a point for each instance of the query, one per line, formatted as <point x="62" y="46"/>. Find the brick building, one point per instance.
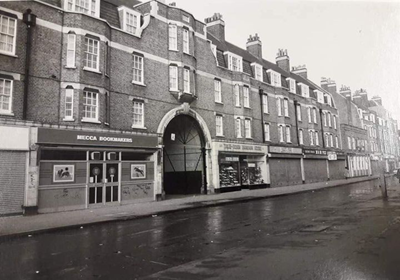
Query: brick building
<point x="116" y="101"/>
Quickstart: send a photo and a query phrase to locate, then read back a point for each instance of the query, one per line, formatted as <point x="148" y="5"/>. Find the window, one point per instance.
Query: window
<point x="69" y="104"/>
<point x="354" y="143"/>
<point x="258" y="72"/>
<point x="185" y="40"/>
<point x="6" y="87"/>
<point x="328" y="100"/>
<point x="265" y="104"/>
<point x="246" y="97"/>
<point x="299" y="112"/>
<point x="275" y="78"/>
<point x="337" y="142"/>
<point x="186" y="80"/>
<point x="309" y="114"/>
<point x="320" y="96"/>
<point x="286" y="107"/>
<point x="173" y="77"/>
<point x="71" y="50"/>
<point x="89" y="7"/>
<point x="237" y="95"/>
<point x="131" y="22"/>
<point x="90" y="106"/>
<point x="311" y="136"/>
<point x="173" y="37"/>
<point x="329" y="119"/>
<point x="288" y="138"/>
<point x="91" y="54"/>
<point x="348" y="142"/>
<point x="137" y="69"/>
<point x="138" y="114"/>
<point x="327" y="140"/>
<point x="315" y="115"/>
<point x="247" y="128"/>
<point x="281" y="133"/>
<point x="219" y="126"/>
<point x="238" y="127"/>
<point x="324" y="118"/>
<point x="234" y="62"/>
<point x="185" y="18"/>
<point x="279" y="106"/>
<point x="217" y="91"/>
<point x="305" y="90"/>
<point x="8" y="31"/>
<point x="334" y="122"/>
<point x="301" y="139"/>
<point x="316" y="138"/>
<point x="292" y="85"/>
<point x="267" y="135"/>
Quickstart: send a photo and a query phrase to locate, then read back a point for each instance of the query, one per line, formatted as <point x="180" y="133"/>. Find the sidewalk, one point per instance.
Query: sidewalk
<point x="20" y="225"/>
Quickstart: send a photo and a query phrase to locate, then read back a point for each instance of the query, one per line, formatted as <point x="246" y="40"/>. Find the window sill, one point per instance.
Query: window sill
<point x="174" y="90"/>
<point x="238" y="106"/>
<point x="9" y="54"/>
<point x="173" y="50"/>
<point x="187" y="53"/>
<point x="90" y="121"/>
<point x="247" y="107"/>
<point x="222" y="136"/>
<point x="139" y="127"/>
<point x="7" y="114"/>
<point x="138" y="84"/>
<point x="70" y="67"/>
<point x="219" y="102"/>
<point x="68" y="120"/>
<point x="287" y="117"/>
<point x="91" y="70"/>
<point x="249" y="138"/>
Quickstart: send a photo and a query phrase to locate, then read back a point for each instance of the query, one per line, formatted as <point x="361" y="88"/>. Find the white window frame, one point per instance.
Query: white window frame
<point x="93" y="7"/>
<point x="324" y="118"/>
<point x="238" y="127"/>
<point x="288" y="134"/>
<point x="239" y="60"/>
<point x="88" y="53"/>
<point x="286" y="107"/>
<point x="186" y="40"/>
<point x="265" y="104"/>
<point x="96" y="105"/>
<point x="299" y="115"/>
<point x="69" y="93"/>
<point x="236" y="90"/>
<point x="247" y="128"/>
<point x="316" y="138"/>
<point x="132" y="27"/>
<point x="137" y="114"/>
<point x="173" y="37"/>
<point x="246" y="96"/>
<point x="217" y="91"/>
<point x="292" y="85"/>
<point x="331" y="139"/>
<point x="327" y="140"/>
<point x="337" y="142"/>
<point x="279" y="106"/>
<point x="309" y="115"/>
<point x="305" y="91"/>
<point x="267" y="132"/>
<point x="258" y="72"/>
<point x="334" y="122"/>
<point x="138" y="69"/>
<point x="173" y="78"/>
<point x="186" y="80"/>
<point x="320" y="96"/>
<point x="8" y="34"/>
<point x="3" y="82"/>
<point x="281" y="133"/>
<point x="219" y="125"/>
<point x="301" y="137"/>
<point x="275" y="78"/>
<point x="349" y="142"/>
<point x="71" y="49"/>
<point x="315" y="115"/>
<point x="311" y="136"/>
<point x="329" y="119"/>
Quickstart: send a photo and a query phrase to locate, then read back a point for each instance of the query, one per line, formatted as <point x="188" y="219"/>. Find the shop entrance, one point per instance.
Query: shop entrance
<point x="184" y="157"/>
<point x="103" y="183"/>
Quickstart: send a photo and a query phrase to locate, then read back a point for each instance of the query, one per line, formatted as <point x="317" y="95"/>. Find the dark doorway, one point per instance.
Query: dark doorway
<point x="184" y="156"/>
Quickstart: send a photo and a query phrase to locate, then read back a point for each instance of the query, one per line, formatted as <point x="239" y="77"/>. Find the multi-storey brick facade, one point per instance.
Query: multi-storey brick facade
<point x="129" y="103"/>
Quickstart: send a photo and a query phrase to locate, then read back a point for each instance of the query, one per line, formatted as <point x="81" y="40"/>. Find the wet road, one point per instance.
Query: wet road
<point x="340" y="233"/>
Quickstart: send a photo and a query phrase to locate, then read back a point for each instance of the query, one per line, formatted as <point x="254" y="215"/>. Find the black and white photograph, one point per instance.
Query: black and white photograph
<point x="190" y="140"/>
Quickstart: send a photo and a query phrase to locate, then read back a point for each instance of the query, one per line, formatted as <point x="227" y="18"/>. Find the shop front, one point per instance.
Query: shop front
<point x="337" y="165"/>
<point x="315" y="165"/>
<point x="81" y="169"/>
<point x="285" y="166"/>
<point x="359" y="165"/>
<point x="240" y="166"/>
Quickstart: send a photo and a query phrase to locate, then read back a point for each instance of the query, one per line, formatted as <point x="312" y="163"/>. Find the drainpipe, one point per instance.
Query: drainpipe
<point x="297" y="122"/>
<point x="30" y="20"/>
<point x="261" y="92"/>
<point x="322" y="129"/>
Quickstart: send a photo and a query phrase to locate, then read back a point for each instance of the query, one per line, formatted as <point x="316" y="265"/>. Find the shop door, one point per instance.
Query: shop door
<point x="103" y="183"/>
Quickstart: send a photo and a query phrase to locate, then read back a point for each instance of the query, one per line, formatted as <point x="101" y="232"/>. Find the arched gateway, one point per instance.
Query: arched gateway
<point x="185" y="142"/>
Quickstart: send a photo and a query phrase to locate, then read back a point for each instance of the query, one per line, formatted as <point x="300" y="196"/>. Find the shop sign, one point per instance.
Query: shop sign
<point x="315" y="152"/>
<point x="332" y="156"/>
<point x="284" y="150"/>
<point x="240" y="147"/>
<point x="88" y="138"/>
<point x="231" y="158"/>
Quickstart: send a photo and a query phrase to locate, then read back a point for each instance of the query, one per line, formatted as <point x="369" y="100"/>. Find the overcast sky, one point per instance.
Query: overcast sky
<point x="355" y="43"/>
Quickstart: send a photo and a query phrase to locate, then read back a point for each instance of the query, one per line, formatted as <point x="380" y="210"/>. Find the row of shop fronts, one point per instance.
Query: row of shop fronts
<point x="52" y="169"/>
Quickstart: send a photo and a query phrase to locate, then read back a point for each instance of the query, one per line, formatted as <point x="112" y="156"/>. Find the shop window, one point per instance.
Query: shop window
<point x="130" y="156"/>
<point x="62" y="155"/>
<point x="250" y="173"/>
<point x="229" y="171"/>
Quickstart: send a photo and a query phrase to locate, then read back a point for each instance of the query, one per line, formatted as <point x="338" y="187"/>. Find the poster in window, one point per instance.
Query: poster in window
<point x="138" y="171"/>
<point x="63" y="173"/>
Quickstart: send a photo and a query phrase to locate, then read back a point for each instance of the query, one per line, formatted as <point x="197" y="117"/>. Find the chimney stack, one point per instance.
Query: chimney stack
<point x="377" y="99"/>
<point x="216" y="26"/>
<point x="346" y="92"/>
<point x="300" y="70"/>
<point x="282" y="60"/>
<point x="363" y="97"/>
<point x="254" y="46"/>
<point x="328" y="85"/>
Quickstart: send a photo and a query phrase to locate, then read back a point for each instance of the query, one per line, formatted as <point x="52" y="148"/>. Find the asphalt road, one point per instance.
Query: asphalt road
<point x="347" y="232"/>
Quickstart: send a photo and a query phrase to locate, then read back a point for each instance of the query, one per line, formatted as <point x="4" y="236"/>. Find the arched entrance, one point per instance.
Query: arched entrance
<point x="184" y="157"/>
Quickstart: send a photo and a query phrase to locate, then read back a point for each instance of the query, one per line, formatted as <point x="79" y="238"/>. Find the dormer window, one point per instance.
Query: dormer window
<point x="275" y="78"/>
<point x="89" y="7"/>
<point x="328" y="100"/>
<point x="235" y="62"/>
<point x="130" y="20"/>
<point x="305" y="92"/>
<point x="292" y="85"/>
<point x="258" y="74"/>
<point x="320" y="96"/>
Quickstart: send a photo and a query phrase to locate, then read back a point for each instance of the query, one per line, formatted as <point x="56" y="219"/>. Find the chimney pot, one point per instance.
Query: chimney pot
<point x="254" y="45"/>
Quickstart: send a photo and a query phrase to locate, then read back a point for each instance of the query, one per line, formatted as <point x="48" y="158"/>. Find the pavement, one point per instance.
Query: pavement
<point x="15" y="226"/>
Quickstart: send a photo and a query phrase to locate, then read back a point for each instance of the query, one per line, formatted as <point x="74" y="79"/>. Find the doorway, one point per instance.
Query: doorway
<point x="103" y="183"/>
<point x="184" y="157"/>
